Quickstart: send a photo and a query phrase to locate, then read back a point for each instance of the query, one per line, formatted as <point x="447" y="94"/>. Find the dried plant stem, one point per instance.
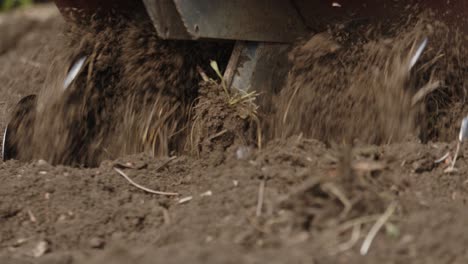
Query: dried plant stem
<point x="425" y="90"/>
<point x="376" y="228"/>
<point x="355" y="235"/>
<point x="452" y="167"/>
<point x="261" y="194"/>
<point x="142" y="187"/>
<point x="329" y="187"/>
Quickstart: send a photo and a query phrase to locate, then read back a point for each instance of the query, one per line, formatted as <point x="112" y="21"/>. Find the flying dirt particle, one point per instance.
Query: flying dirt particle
<point x="351" y="84"/>
<point x="129" y="92"/>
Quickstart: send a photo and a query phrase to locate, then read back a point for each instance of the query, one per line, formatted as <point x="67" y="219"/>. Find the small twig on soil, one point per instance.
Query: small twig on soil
<point x="452" y="166"/>
<point x="377" y="226"/>
<point x="20" y="242"/>
<point x="142" y="187"/>
<point x="167" y="216"/>
<point x="355" y="235"/>
<point x="218" y="134"/>
<point x="329" y="187"/>
<point x="203" y="74"/>
<point x="207" y="193"/>
<point x="425" y="90"/>
<point x="306" y="185"/>
<point x="130" y="166"/>
<point x="32" y="218"/>
<point x="261" y="194"/>
<point x="368" y="166"/>
<point x="165" y="163"/>
<point x="443" y="158"/>
<point x="357" y="221"/>
<point x="186" y="199"/>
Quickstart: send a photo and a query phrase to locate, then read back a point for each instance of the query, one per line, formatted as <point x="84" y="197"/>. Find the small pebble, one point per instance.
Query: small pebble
<point x="97" y="242"/>
<point x="42" y="163"/>
<point x="40" y="249"/>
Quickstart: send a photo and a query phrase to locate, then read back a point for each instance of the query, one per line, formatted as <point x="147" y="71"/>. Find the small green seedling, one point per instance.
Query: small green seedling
<point x="232" y="98"/>
<point x="214" y="66"/>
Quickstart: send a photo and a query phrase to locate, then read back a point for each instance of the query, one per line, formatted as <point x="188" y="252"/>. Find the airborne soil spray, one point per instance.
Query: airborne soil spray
<point x="353" y="82"/>
<point x="350" y="84"/>
<point x="133" y="94"/>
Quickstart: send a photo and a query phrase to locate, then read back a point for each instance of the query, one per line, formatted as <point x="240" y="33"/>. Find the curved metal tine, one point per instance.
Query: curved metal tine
<point x="461" y="137"/>
<point x="22" y="107"/>
<point x="418" y="53"/>
<point x="3" y="143"/>
<point x="74" y="71"/>
<point x="463" y="130"/>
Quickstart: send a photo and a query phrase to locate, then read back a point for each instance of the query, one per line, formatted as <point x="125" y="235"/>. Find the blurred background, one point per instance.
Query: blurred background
<point x="6" y="5"/>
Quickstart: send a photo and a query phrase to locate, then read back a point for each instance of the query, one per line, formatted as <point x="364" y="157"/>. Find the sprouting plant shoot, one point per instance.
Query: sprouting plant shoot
<point x="232" y="98"/>
<point x="214" y="66"/>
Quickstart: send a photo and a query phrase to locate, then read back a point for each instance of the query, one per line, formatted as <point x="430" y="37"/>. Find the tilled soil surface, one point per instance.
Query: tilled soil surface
<point x="297" y="200"/>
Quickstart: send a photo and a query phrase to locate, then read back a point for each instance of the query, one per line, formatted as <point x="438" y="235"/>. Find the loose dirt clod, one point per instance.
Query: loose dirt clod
<point x="220" y="123"/>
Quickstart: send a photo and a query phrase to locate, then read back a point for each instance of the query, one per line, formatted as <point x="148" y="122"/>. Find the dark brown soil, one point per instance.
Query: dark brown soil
<point x="295" y="200"/>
